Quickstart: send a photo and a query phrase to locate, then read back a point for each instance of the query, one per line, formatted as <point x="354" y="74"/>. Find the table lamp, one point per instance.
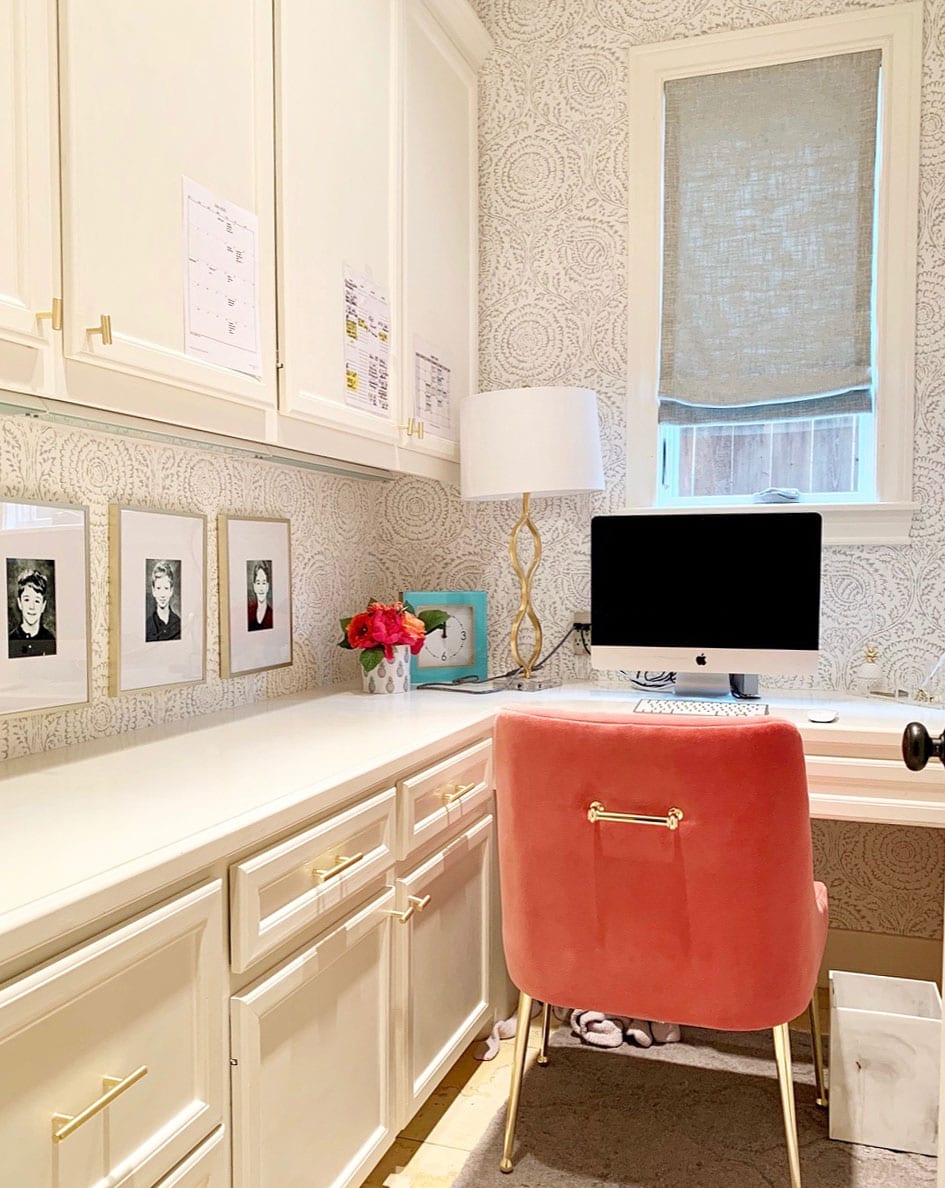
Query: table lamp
<point x="520" y="442"/>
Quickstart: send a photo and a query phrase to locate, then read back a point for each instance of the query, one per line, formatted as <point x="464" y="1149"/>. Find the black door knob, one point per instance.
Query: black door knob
<point x="918" y="747"/>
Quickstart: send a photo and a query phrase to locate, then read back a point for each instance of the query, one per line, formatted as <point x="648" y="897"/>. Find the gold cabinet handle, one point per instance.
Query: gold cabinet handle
<point x="65" y="1124"/>
<point x="411" y="428"/>
<point x="342" y="864"/>
<point x="415" y="903"/>
<point x="104" y="328"/>
<point x="596" y="812"/>
<point x="457" y="792"/>
<point x="420" y="430"/>
<point x="54" y="314"/>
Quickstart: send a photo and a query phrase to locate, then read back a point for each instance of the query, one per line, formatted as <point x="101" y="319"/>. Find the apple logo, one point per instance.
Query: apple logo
<point x="701" y="660"/>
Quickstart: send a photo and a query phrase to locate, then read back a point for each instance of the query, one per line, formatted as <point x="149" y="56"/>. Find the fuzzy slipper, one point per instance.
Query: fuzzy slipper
<point x="638" y="1032"/>
<point x="488" y="1049"/>
<point x="665" y="1033"/>
<point x="596" y="1029"/>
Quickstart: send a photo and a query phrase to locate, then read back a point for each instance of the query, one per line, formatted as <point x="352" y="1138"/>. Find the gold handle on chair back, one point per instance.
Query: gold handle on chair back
<point x="596" y="812"/>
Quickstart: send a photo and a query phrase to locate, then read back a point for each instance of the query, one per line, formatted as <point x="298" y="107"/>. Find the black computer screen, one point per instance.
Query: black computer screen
<point x="706" y="580"/>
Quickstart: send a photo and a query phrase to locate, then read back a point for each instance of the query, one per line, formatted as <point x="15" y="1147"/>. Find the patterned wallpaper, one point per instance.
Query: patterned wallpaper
<point x="333" y="562"/>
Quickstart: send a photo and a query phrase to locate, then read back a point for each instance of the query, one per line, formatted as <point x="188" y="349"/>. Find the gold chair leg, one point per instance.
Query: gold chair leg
<point x="518" y="1071"/>
<point x="545" y="1029"/>
<point x="817" y="1043"/>
<point x="782" y="1055"/>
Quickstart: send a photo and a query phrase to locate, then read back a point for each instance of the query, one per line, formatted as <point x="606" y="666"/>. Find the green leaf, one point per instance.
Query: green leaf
<point x="409" y="608"/>
<point x="433" y="620"/>
<point x="343" y="642"/>
<point x="370" y="658"/>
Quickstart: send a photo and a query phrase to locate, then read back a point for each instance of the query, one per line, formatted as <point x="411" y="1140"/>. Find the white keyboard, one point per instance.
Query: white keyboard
<point x="709" y="709"/>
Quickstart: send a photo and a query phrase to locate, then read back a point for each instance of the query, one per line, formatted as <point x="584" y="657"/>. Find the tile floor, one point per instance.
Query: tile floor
<point x="431" y="1150"/>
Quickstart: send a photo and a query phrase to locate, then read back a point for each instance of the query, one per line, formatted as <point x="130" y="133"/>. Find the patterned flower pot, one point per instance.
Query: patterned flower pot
<point x="390" y="676"/>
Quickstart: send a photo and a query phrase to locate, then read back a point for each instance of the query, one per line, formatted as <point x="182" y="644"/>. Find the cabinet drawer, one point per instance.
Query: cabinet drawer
<point x="434" y="800"/>
<point x="112" y="1062"/>
<point x="283" y="889"/>
<point x="206" y="1168"/>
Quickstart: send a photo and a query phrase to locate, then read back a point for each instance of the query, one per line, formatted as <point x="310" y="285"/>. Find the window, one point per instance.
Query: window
<point x="772" y="268"/>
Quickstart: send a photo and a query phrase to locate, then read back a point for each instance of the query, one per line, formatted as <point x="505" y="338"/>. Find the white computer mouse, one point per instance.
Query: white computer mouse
<point x="822" y="715"/>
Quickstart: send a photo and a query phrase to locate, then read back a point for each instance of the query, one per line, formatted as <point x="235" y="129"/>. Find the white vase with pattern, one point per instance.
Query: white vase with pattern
<point x="390" y="676"/>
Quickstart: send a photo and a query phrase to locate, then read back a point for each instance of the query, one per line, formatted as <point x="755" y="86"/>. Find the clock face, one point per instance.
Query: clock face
<point x="453" y="644"/>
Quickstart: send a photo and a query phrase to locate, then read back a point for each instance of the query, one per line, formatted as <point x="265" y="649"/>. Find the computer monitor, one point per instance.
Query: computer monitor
<point x="706" y="593"/>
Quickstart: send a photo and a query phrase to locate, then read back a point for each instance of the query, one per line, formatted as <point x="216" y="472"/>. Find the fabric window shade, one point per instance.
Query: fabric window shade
<point x="769" y="183"/>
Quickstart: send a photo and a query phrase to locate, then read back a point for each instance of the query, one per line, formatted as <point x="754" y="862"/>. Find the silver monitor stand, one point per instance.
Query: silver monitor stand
<point x="716" y="684"/>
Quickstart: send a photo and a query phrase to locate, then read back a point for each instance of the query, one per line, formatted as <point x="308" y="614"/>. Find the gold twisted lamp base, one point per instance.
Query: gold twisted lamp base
<point x="525" y="608"/>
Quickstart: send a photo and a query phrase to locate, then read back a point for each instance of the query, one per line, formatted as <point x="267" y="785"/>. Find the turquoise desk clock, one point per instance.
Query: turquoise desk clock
<point x="458" y="648"/>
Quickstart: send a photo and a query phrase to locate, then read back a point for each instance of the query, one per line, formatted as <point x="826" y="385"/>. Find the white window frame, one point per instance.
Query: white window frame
<point x="897" y="32"/>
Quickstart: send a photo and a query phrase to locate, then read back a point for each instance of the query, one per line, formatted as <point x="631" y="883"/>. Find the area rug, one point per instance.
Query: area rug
<point x="704" y="1113"/>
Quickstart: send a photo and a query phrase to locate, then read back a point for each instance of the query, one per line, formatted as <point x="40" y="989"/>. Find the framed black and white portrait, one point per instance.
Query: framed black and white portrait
<point x="158" y="609"/>
<point x="255" y="595"/>
<point x="44" y="662"/>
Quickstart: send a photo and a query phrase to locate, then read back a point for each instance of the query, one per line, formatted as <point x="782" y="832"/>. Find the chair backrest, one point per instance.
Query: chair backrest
<point x="715" y="923"/>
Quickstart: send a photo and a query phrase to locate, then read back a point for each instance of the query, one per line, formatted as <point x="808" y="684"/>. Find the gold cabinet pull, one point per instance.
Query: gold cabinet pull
<point x="596" y="812"/>
<point x="54" y="314"/>
<point x="342" y="864"/>
<point x="420" y="430"/>
<point x="457" y="792"/>
<point x="411" y="428"/>
<point x="104" y="328"/>
<point x="415" y="903"/>
<point x="65" y="1124"/>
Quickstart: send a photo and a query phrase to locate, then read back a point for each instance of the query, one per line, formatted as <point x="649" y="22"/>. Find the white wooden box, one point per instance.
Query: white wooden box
<point x="885" y="1036"/>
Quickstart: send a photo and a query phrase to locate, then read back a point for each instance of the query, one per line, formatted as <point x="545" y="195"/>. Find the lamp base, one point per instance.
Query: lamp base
<point x="532" y="684"/>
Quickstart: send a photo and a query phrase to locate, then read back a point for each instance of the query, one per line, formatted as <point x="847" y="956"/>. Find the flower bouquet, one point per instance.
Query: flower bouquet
<point x="383" y="634"/>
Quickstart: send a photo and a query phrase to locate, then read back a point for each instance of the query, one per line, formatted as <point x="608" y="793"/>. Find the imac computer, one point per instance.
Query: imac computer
<point x="707" y="595"/>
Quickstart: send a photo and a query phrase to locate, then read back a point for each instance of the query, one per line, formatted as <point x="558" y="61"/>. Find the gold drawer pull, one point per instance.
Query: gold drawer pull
<point x="54" y="314"/>
<point x="65" y="1124"/>
<point x="415" y="904"/>
<point x="104" y="328"/>
<point x="597" y="812"/>
<point x="342" y="864"/>
<point x="458" y="791"/>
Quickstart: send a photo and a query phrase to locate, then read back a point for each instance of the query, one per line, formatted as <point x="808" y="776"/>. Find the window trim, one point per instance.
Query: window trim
<point x="897" y="32"/>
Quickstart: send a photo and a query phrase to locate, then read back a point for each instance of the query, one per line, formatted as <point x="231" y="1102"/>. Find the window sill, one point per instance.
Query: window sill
<point x="844" y="523"/>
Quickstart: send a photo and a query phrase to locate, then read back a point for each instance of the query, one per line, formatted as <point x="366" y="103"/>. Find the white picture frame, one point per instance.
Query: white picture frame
<point x="158" y="606"/>
<point x="45" y="658"/>
<point x="255" y="594"/>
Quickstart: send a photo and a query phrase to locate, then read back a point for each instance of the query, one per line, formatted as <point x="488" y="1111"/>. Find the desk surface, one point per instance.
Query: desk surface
<point x="158" y="803"/>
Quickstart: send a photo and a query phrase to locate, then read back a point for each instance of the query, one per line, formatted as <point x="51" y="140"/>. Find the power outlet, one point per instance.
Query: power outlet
<point x="581" y="639"/>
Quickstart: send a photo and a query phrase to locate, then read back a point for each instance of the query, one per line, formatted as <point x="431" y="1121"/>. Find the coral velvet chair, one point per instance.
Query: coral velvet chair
<point x="662" y="869"/>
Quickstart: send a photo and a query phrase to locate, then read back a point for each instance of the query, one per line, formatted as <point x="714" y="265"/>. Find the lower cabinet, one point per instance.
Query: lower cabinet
<point x="442" y="961"/>
<point x="311" y="1073"/>
<point x="112" y="1061"/>
<point x="207" y="1167"/>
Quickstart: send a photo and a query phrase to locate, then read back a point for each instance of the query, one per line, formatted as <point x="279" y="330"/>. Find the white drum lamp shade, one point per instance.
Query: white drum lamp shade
<point x="544" y="441"/>
<point x="523" y="442"/>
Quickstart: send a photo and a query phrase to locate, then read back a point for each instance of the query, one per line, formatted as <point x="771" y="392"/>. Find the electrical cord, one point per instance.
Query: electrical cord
<point x="650" y="680"/>
<point x="467" y="684"/>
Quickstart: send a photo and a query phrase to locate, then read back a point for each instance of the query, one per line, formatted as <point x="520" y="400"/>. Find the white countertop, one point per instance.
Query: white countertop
<point x="141" y="809"/>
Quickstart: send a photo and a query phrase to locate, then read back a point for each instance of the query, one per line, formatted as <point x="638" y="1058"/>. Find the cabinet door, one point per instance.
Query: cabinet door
<point x="207" y="1167"/>
<point x="337" y="118"/>
<point x="29" y="195"/>
<point x="112" y="1062"/>
<point x="311" y="1072"/>
<point x="444" y="44"/>
<point x="443" y="961"/>
<point x="151" y="94"/>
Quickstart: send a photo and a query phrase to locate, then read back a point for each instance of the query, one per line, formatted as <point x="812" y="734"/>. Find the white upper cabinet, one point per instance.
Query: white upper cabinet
<point x="377" y="185"/>
<point x="337" y="118"/>
<point x="444" y="45"/>
<point x="151" y="94"/>
<point x="29" y="196"/>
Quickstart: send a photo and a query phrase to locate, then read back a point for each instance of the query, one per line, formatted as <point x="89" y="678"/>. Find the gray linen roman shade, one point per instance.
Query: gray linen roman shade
<point x="768" y="241"/>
